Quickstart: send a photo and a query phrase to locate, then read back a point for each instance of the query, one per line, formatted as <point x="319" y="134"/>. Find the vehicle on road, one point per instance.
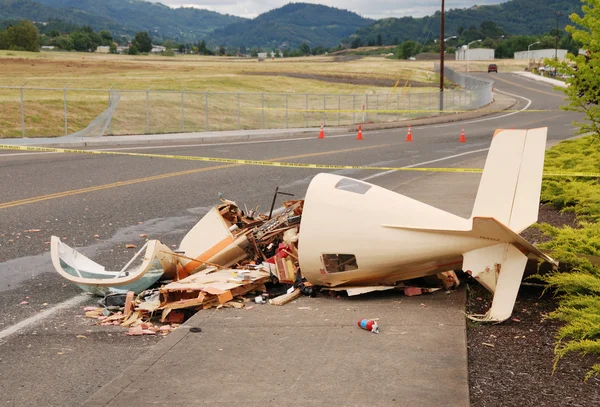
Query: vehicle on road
<point x="492" y="68"/>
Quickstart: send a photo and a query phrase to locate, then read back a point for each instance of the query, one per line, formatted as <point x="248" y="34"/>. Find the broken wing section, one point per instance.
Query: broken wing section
<point x="156" y="261"/>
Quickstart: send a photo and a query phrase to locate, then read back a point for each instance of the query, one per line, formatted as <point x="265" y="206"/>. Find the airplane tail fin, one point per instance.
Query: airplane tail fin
<point x="509" y="190"/>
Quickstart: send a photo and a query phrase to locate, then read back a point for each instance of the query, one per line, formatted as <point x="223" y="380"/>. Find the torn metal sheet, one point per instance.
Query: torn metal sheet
<point x="156" y="262"/>
<point x="355" y="233"/>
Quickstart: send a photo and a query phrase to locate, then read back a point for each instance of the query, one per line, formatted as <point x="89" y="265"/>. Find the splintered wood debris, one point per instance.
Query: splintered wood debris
<point x="228" y="254"/>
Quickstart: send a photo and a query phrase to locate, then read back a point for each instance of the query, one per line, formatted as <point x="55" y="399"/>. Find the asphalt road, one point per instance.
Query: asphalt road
<point x="59" y="359"/>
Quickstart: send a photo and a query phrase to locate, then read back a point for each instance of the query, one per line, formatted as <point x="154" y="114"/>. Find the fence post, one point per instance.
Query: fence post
<point x="306" y="112"/>
<point x="367" y="108"/>
<point x="286" y="110"/>
<point x="339" y="107"/>
<point x="109" y="105"/>
<point x="353" y="109"/>
<point x="377" y="107"/>
<point x="429" y="106"/>
<point x="239" y="122"/>
<point x="398" y="105"/>
<point x="262" y="120"/>
<point x="206" y="109"/>
<point x="182" y="110"/>
<point x="148" y="111"/>
<point x="386" y="108"/>
<point x="324" y="110"/>
<point x="65" y="106"/>
<point x="23" y="111"/>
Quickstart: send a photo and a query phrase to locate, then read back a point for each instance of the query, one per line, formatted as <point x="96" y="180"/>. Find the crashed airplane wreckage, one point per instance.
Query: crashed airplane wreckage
<point x="346" y="235"/>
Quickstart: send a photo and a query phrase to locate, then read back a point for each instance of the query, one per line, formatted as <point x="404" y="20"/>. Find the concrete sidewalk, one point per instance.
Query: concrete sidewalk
<point x="501" y="103"/>
<point x="307" y="352"/>
<point x="311" y="351"/>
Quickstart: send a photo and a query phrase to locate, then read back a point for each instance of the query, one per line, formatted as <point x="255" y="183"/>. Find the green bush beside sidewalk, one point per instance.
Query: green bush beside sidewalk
<point x="578" y="289"/>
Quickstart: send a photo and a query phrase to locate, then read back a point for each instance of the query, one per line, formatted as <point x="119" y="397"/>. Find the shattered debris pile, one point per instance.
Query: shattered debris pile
<point x="228" y="254"/>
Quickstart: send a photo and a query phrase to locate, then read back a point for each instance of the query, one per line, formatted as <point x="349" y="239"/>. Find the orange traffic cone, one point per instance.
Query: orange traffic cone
<point x="359" y="136"/>
<point x="462" y="138"/>
<point x="409" y="135"/>
<point x="322" y="133"/>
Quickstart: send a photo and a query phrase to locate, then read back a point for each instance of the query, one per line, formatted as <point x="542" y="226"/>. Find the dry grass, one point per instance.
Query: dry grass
<point x="44" y="110"/>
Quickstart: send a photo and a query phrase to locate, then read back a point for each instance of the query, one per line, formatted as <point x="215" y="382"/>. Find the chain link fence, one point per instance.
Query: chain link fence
<point x="51" y="112"/>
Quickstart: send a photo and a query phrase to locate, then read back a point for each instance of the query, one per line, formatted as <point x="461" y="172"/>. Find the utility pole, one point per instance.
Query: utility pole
<point x="442" y="59"/>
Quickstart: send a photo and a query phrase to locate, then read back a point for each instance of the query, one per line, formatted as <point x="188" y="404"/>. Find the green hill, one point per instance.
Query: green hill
<point x="291" y="25"/>
<point x="122" y="16"/>
<point x="515" y="17"/>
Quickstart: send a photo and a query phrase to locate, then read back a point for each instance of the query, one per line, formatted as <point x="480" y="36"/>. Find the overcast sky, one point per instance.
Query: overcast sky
<point x="372" y="9"/>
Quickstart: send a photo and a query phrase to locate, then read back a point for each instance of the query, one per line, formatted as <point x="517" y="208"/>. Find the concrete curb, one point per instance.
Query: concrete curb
<point x="506" y="103"/>
<point x="126" y="377"/>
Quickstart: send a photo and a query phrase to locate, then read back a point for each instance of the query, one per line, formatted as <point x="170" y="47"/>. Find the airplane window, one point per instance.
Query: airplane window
<point x="352" y="185"/>
<point x="338" y="263"/>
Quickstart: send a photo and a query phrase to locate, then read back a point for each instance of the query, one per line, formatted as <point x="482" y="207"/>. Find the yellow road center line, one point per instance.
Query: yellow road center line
<point x="64" y="194"/>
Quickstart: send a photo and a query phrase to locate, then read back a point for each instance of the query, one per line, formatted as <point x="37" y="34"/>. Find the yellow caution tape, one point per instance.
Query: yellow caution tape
<point x="274" y="163"/>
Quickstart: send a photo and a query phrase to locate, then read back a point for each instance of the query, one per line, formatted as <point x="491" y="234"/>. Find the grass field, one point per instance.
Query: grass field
<point x="338" y="77"/>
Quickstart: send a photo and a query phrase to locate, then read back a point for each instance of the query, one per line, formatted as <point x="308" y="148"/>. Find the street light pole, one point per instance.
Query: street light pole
<point x="528" y="48"/>
<point x="442" y="59"/>
<point x="468" y="56"/>
<point x="558" y="14"/>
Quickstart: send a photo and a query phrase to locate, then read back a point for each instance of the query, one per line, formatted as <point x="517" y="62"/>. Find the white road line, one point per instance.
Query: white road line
<point x="42" y="315"/>
<point x="379" y="174"/>
<point x="529" y="102"/>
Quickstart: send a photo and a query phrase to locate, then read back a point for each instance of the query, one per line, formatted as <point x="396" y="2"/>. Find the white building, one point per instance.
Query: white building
<point x="157" y="49"/>
<point x="541" y="54"/>
<point x="103" y="49"/>
<point x="475" y="54"/>
<point x="262" y="56"/>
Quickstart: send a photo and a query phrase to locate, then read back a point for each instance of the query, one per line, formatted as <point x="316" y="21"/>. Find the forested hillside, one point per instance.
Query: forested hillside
<point x="291" y="25"/>
<point x="515" y="17"/>
<point x="121" y="16"/>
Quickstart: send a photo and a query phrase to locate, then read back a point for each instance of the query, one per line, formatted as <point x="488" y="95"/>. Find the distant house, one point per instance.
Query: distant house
<point x="48" y="47"/>
<point x="475" y="54"/>
<point x="262" y="56"/>
<point x="122" y="49"/>
<point x="157" y="49"/>
<point x="541" y="54"/>
<point x="103" y="49"/>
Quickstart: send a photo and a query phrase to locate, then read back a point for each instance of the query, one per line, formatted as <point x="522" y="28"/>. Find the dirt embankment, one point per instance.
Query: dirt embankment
<point x="380" y="82"/>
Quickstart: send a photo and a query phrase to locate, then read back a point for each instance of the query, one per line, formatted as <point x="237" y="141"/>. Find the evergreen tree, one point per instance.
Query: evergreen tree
<point x="143" y="42"/>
